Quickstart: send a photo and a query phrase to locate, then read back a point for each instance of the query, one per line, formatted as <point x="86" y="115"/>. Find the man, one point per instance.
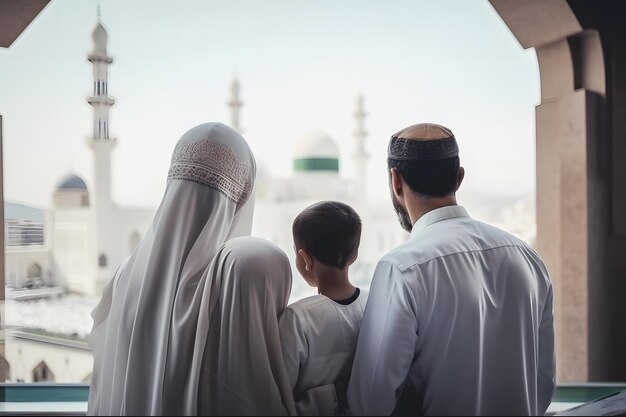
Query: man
<point x="461" y="314"/>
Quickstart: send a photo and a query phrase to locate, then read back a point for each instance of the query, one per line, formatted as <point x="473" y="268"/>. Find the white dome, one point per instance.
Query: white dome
<point x="100" y="37"/>
<point x="317" y="144"/>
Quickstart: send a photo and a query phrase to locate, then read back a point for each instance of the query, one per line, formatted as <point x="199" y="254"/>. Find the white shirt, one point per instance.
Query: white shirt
<point x="319" y="337"/>
<point x="462" y="311"/>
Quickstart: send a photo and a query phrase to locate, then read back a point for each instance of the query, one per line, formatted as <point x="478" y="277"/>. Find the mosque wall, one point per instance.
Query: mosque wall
<point x="28" y="266"/>
<point x="67" y="362"/>
<point x="128" y="226"/>
<point x="381" y="233"/>
<point x="73" y="249"/>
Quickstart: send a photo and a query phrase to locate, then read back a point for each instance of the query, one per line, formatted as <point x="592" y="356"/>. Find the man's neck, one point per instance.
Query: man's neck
<point x="417" y="206"/>
<point x="334" y="284"/>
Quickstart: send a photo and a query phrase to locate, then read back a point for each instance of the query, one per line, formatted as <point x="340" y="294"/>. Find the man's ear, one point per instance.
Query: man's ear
<point x="396" y="183"/>
<point x="460" y="178"/>
<point x="308" y="259"/>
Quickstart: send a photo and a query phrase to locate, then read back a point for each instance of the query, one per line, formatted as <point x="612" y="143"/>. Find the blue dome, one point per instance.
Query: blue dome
<point x="71" y="182"/>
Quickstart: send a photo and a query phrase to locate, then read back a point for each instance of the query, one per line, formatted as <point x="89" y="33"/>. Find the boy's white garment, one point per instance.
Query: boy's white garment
<point x="319" y="339"/>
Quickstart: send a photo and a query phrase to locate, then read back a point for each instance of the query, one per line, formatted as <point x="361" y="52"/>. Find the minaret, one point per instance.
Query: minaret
<point x="102" y="144"/>
<point x="360" y="154"/>
<point x="235" y="105"/>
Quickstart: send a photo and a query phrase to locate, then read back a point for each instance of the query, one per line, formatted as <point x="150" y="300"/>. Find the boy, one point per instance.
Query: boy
<point x="319" y="333"/>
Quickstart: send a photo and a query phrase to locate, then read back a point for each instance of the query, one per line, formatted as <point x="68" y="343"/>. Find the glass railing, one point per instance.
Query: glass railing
<point x="44" y="398"/>
<point x="71" y="399"/>
<point x="568" y="396"/>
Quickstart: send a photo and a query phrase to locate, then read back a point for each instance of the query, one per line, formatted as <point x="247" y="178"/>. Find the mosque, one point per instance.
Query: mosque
<point x="86" y="235"/>
<point x="82" y="249"/>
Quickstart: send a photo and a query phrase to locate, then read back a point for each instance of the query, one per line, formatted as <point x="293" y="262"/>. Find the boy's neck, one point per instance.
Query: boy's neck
<point x="334" y="283"/>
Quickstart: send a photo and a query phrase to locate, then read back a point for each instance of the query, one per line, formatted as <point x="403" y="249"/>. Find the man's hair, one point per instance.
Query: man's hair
<point x="433" y="178"/>
<point x="329" y="231"/>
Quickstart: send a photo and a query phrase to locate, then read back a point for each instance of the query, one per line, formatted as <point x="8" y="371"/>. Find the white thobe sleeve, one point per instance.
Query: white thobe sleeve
<point x="546" y="379"/>
<point x="386" y="346"/>
<point x="293" y="343"/>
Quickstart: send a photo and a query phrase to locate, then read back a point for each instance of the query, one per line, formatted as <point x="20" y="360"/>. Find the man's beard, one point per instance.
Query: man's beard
<point x="403" y="214"/>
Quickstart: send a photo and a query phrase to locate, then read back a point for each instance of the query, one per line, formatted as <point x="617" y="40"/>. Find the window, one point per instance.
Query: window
<point x="102" y="261"/>
<point x="5" y="370"/>
<point x="42" y="373"/>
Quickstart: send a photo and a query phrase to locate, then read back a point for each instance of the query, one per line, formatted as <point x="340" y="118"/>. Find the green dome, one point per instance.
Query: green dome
<point x="316" y="164"/>
<point x="317" y="151"/>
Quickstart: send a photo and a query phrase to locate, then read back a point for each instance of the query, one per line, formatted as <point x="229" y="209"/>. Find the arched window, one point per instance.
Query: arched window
<point x="42" y="373"/>
<point x="5" y="370"/>
<point x="34" y="271"/>
<point x="102" y="260"/>
<point x="34" y="277"/>
<point x="134" y="240"/>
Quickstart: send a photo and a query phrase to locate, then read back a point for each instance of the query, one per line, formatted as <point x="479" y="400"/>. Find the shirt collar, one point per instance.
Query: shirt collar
<point x="437" y="215"/>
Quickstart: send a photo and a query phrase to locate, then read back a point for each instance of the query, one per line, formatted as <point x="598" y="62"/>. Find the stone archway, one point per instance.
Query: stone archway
<point x="581" y="206"/>
<point x="34" y="276"/>
<point x="5" y="369"/>
<point x="34" y="271"/>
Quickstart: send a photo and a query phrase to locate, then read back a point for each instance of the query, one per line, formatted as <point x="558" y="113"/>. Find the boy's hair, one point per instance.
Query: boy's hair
<point x="329" y="231"/>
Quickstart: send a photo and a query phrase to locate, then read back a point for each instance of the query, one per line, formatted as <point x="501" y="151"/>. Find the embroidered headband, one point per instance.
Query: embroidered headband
<point x="216" y="166"/>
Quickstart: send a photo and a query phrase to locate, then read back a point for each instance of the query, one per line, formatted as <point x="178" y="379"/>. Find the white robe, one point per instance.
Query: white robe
<point x="237" y="343"/>
<point x="463" y="312"/>
<point x="319" y="339"/>
<point x="145" y="325"/>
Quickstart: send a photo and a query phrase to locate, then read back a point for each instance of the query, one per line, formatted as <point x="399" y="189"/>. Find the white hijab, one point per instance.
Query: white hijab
<point x="144" y="327"/>
<point x="242" y="370"/>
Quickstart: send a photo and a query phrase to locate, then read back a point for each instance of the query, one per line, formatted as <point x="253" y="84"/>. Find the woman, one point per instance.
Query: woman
<point x="242" y="370"/>
<point x="144" y="327"/>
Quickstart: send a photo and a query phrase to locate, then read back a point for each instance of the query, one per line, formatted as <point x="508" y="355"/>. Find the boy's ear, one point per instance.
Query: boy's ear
<point x="308" y="260"/>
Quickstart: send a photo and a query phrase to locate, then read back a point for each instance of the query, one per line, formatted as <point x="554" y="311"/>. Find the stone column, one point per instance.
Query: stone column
<point x="581" y="172"/>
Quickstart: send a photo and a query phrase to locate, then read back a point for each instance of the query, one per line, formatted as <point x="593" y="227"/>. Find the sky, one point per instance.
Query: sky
<point x="300" y="65"/>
